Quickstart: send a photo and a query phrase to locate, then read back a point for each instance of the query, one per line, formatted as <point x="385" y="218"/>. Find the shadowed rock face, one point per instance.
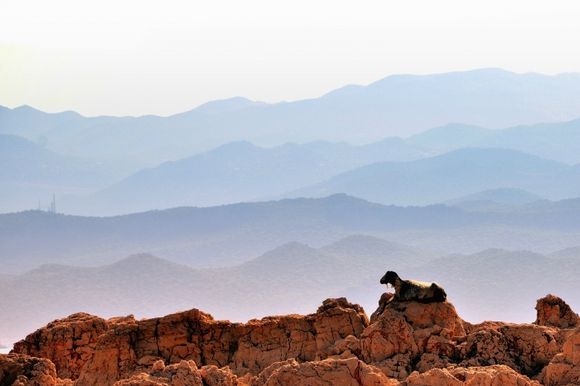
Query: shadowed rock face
<point x="553" y="311"/>
<point x="406" y="343"/>
<point x="68" y="342"/>
<point x="16" y="369"/>
<point x="564" y="368"/>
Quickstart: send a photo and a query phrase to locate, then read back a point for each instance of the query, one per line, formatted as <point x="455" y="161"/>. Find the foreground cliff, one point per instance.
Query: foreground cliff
<point x="404" y="344"/>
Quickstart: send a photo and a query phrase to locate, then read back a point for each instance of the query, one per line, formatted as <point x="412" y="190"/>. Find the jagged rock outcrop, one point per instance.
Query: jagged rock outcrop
<point x="405" y="344"/>
<point x="526" y="348"/>
<point x="67" y="342"/>
<point x="346" y="372"/>
<point x="564" y="368"/>
<point x="497" y="375"/>
<point x="23" y="370"/>
<point x="405" y="331"/>
<point x="554" y="312"/>
<point x="184" y="373"/>
<point x="125" y="346"/>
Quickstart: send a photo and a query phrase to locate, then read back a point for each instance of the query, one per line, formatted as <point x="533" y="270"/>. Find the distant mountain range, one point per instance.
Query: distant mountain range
<point x="241" y="172"/>
<point x="392" y="171"/>
<point x="29" y="172"/>
<point x="213" y="236"/>
<point x="444" y="177"/>
<point x="288" y="279"/>
<point x="398" y="105"/>
<point x="238" y="150"/>
<point x="494" y="200"/>
<point x="237" y="172"/>
<point x="557" y="141"/>
<point x="226" y="235"/>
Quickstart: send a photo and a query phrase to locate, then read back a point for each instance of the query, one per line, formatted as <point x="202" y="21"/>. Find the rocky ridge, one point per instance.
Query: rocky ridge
<point x="404" y="344"/>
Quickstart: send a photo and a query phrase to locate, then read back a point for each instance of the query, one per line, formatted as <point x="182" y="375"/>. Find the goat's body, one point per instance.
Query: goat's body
<point x="413" y="290"/>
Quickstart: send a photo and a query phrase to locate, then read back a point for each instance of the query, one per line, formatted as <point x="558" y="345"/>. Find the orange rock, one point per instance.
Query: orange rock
<point x="554" y="312"/>
<point x="214" y="376"/>
<point x="68" y="342"/>
<point x="498" y="375"/>
<point x="407" y="343"/>
<point x="23" y="370"/>
<point x="121" y="347"/>
<point x="403" y="331"/>
<point x="385" y="299"/>
<point x="184" y="373"/>
<point x="564" y="368"/>
<point x="322" y="373"/>
<point x="526" y="348"/>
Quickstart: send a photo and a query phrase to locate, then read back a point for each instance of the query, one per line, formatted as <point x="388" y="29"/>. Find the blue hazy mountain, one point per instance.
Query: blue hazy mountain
<point x="29" y="173"/>
<point x="450" y="137"/>
<point x="228" y="105"/>
<point x="558" y="141"/>
<point x="396" y="105"/>
<point x="210" y="236"/>
<point x="457" y="173"/>
<point x="230" y="234"/>
<point x="494" y="199"/>
<point x="236" y="172"/>
<point x="241" y="171"/>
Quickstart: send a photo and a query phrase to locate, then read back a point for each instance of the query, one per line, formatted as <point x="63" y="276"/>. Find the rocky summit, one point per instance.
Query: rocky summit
<point x="403" y="344"/>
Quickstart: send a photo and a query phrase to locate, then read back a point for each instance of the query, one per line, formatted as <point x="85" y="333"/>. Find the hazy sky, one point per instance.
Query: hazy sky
<point x="140" y="57"/>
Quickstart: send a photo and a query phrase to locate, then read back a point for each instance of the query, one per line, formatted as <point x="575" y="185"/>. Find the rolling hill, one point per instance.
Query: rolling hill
<point x="30" y="173"/>
<point x="212" y="236"/>
<point x="444" y="177"/>
<point x="236" y="172"/>
<point x="557" y="141"/>
<point x="231" y="234"/>
<point x="494" y="200"/>
<point x="389" y="172"/>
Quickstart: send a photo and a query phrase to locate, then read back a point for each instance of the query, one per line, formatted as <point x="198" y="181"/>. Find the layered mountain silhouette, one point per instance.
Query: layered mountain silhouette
<point x="444" y="177"/>
<point x="238" y="171"/>
<point x="396" y="105"/>
<point x="29" y="172"/>
<point x="241" y="171"/>
<point x="557" y="140"/>
<point x="212" y="236"/>
<point x="494" y="199"/>
<point x="237" y="150"/>
<point x="231" y="234"/>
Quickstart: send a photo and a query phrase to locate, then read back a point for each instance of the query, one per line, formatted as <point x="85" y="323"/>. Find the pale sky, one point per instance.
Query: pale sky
<point x="124" y="57"/>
